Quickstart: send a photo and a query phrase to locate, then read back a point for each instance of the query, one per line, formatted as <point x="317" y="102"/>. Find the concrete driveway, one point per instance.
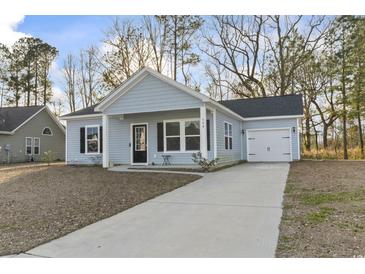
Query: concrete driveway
<point x="231" y="213"/>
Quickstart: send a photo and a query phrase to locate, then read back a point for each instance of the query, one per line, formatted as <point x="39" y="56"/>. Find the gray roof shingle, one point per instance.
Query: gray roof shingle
<point x="266" y="106"/>
<point x="13" y="117"/>
<point x="84" y="111"/>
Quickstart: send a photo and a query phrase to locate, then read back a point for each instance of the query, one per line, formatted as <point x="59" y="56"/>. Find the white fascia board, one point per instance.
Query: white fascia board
<point x="272" y="117"/>
<point x="6" y="132"/>
<point x="81" y="117"/>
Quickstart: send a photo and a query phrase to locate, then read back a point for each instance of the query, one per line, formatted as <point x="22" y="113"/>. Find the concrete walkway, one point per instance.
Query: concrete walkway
<point x="230" y="213"/>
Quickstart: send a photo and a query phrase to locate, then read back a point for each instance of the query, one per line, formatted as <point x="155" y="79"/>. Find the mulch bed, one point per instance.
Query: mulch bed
<point x="39" y="204"/>
<point x="324" y="210"/>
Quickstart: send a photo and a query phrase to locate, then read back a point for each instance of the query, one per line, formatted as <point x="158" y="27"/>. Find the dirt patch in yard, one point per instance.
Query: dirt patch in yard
<point x="324" y="210"/>
<point x="39" y="204"/>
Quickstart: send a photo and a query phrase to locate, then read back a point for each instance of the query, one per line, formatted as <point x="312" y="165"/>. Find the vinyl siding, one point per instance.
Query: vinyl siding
<point x="274" y="123"/>
<point x="73" y="142"/>
<point x="120" y="136"/>
<point x="234" y="154"/>
<point x="152" y="94"/>
<point x="34" y="128"/>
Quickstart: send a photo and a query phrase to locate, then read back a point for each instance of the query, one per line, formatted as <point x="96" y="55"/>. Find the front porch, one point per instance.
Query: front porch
<point x="147" y="139"/>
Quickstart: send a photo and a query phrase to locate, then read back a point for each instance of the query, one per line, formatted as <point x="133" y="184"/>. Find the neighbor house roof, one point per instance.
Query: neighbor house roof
<point x="12" y="118"/>
<point x="287" y="105"/>
<point x="85" y="111"/>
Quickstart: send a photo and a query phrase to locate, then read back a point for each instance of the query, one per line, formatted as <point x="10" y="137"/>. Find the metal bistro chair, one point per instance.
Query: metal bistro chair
<point x="166" y="160"/>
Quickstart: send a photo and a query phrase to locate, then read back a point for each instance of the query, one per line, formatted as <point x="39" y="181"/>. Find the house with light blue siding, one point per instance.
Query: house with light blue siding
<point x="153" y="120"/>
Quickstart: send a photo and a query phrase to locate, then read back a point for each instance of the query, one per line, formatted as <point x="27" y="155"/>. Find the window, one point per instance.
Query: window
<point x="92" y="139"/>
<point x="227" y="135"/>
<point x="32" y="145"/>
<point x="28" y="145"/>
<point x="172" y="136"/>
<point x="182" y="135"/>
<point x="36" y="146"/>
<point x="192" y="135"/>
<point x="47" y="131"/>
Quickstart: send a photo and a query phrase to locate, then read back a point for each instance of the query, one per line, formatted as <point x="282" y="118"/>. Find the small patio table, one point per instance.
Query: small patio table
<point x="166" y="160"/>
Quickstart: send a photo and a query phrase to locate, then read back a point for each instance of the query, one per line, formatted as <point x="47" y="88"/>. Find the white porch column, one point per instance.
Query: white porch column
<point x="214" y="112"/>
<point x="203" y="131"/>
<point x="105" y="141"/>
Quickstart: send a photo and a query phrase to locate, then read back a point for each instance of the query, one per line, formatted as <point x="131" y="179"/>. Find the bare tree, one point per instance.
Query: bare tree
<point x="128" y="52"/>
<point x="89" y="77"/>
<point x="236" y="44"/>
<point x="157" y="31"/>
<point x="69" y="71"/>
<point x="291" y="46"/>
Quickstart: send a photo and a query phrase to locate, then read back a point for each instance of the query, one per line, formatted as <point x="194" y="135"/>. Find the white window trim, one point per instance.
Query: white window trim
<point x="86" y="147"/>
<point x="227" y="135"/>
<point x="31" y="146"/>
<point x="39" y="145"/>
<point x="47" y="134"/>
<point x="182" y="135"/>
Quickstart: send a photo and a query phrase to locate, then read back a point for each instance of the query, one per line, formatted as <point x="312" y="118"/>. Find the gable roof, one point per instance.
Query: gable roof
<point x="287" y="105"/>
<point x="96" y="110"/>
<point x="12" y="118"/>
<point x="137" y="77"/>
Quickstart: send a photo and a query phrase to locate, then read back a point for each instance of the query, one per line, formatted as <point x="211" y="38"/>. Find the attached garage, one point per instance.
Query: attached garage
<point x="271" y="127"/>
<point x="269" y="145"/>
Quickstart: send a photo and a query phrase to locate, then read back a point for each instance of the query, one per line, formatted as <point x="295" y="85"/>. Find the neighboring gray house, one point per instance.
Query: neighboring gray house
<point x="150" y="116"/>
<point x="27" y="132"/>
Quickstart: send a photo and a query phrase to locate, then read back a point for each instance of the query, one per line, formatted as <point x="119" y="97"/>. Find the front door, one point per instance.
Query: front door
<point x="140" y="144"/>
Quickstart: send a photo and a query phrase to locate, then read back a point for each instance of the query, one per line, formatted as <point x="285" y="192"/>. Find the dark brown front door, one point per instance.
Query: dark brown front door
<point x="139" y="144"/>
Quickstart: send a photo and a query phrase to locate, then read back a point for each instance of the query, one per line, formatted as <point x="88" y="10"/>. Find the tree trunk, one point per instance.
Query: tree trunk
<point x="307" y="134"/>
<point x="175" y="47"/>
<point x="344" y="111"/>
<point x="325" y="136"/>
<point x="361" y="139"/>
<point x="36" y="84"/>
<point x="45" y="88"/>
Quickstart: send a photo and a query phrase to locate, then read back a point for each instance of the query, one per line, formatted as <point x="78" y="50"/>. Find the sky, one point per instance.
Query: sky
<point x="68" y="34"/>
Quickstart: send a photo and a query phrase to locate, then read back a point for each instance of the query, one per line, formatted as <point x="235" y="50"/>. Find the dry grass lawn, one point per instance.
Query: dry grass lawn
<point x="324" y="210"/>
<point x="39" y="204"/>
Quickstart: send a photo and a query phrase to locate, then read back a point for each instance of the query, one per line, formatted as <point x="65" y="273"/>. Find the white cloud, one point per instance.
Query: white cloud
<point x="8" y="26"/>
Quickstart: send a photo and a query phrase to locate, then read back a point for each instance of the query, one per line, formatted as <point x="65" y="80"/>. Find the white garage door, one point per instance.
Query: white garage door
<point x="268" y="145"/>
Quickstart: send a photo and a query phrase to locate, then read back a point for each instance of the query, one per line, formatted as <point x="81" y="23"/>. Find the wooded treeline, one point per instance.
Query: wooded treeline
<point x="320" y="57"/>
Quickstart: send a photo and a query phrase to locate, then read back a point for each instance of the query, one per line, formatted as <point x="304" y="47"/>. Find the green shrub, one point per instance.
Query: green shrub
<point x="205" y="164"/>
<point x="48" y="157"/>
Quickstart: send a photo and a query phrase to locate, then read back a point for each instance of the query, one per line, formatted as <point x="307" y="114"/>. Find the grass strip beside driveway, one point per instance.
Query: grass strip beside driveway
<point x="324" y="210"/>
<point x="39" y="204"/>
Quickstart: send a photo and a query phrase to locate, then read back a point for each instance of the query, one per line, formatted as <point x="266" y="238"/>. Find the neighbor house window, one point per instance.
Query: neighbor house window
<point x="36" y="146"/>
<point x="227" y="135"/>
<point x="47" y="131"/>
<point x="28" y="145"/>
<point x="192" y="135"/>
<point x="92" y="139"/>
<point x="172" y="130"/>
<point x="182" y="135"/>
